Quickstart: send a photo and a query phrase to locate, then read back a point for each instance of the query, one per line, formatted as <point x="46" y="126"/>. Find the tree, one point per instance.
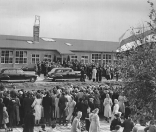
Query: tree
<point x="138" y="72"/>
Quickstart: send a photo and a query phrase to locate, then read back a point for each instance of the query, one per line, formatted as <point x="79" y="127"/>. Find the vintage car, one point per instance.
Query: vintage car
<point x="16" y="75"/>
<point x="63" y="74"/>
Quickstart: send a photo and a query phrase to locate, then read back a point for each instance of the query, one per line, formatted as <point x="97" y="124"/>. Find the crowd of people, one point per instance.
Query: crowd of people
<point x="93" y="71"/>
<point x="80" y="106"/>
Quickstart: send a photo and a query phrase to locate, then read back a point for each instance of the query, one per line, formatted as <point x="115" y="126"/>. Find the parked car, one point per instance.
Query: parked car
<point x="63" y="74"/>
<point x="16" y="75"/>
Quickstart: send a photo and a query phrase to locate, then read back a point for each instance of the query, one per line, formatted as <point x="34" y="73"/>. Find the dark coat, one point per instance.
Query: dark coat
<point x="114" y="123"/>
<point x="47" y="106"/>
<point x="27" y="102"/>
<point x="128" y="125"/>
<point x="6" y="101"/>
<point x="62" y="102"/>
<point x="12" y="112"/>
<point x="29" y="122"/>
<point x="1" y="112"/>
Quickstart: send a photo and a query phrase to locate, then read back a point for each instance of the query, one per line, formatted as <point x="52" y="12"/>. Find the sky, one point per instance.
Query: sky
<point x="101" y="20"/>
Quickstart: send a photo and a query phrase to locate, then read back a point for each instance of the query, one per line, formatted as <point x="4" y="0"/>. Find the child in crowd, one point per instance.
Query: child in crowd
<point x="5" y="118"/>
<point x="87" y="119"/>
<point x="43" y="128"/>
<point x="53" y="128"/>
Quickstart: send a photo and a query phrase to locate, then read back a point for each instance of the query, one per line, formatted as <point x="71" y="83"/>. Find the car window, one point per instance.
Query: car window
<point x="12" y="71"/>
<point x="59" y="71"/>
<point x="67" y="70"/>
<point x="53" y="70"/>
<point x="19" y="71"/>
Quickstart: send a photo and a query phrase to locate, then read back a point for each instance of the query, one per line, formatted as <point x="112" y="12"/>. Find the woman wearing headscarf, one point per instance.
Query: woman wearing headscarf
<point x="95" y="123"/>
<point x="107" y="107"/>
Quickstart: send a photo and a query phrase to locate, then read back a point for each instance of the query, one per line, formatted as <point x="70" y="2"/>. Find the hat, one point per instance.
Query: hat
<point x="20" y="92"/>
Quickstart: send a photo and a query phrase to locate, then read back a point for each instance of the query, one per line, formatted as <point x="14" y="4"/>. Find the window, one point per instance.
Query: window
<point x="6" y="56"/>
<point x="35" y="58"/>
<point x="84" y="59"/>
<point x="58" y="71"/>
<point x="47" y="58"/>
<point x="96" y="58"/>
<point x="107" y="59"/>
<point x="21" y="57"/>
<point x="19" y="71"/>
<point x="73" y="58"/>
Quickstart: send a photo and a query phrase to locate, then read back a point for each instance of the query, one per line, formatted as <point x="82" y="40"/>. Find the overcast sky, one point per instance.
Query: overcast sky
<point x="104" y="20"/>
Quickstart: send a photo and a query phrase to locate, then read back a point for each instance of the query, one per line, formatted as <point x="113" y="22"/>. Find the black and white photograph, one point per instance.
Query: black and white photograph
<point x="77" y="65"/>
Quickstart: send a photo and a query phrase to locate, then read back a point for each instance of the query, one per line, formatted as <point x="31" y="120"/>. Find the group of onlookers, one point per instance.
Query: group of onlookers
<point x="93" y="71"/>
<point x="80" y="106"/>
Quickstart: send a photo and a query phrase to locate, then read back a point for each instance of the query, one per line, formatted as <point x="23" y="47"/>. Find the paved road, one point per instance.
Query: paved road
<point x="104" y="128"/>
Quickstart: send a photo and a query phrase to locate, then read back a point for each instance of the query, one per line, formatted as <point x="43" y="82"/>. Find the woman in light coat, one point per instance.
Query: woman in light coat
<point x="107" y="107"/>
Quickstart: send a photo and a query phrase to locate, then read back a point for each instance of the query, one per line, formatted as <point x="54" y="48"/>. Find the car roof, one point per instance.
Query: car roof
<point x="10" y="68"/>
<point x="62" y="68"/>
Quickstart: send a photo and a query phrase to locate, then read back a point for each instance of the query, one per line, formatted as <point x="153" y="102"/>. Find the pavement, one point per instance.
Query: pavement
<point x="104" y="127"/>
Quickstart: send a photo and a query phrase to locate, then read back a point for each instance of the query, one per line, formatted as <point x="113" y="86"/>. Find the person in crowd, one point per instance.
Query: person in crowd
<point x="95" y="123"/>
<point x="82" y="79"/>
<point x="29" y="121"/>
<point x="43" y="128"/>
<point x="5" y="120"/>
<point x="62" y="105"/>
<point x="91" y="104"/>
<point x="1" y="111"/>
<point x="38" y="108"/>
<point x="151" y="127"/>
<point x="94" y="72"/>
<point x="17" y="103"/>
<point x="12" y="111"/>
<point x="117" y="128"/>
<point x="27" y="102"/>
<point x="127" y="110"/>
<point x="84" y="109"/>
<point x="121" y="100"/>
<point x="52" y="97"/>
<point x="115" y="108"/>
<point x="128" y="125"/>
<point x="53" y="128"/>
<point x="79" y="105"/>
<point x="57" y="107"/>
<point x="116" y="121"/>
<point x="107" y="107"/>
<point x="87" y="119"/>
<point x="76" y="127"/>
<point x="97" y="99"/>
<point x="46" y="103"/>
<point x="70" y="106"/>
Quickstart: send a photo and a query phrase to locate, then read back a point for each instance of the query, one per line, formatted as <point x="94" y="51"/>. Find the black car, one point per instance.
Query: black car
<point x="63" y="74"/>
<point x="16" y="75"/>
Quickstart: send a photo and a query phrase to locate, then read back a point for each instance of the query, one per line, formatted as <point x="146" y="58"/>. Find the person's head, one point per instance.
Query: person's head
<point x="117" y="115"/>
<point x="53" y="126"/>
<point x="115" y="101"/>
<point x="79" y="114"/>
<point x="38" y="96"/>
<point x="88" y="110"/>
<point x="96" y="111"/>
<point x="117" y="127"/>
<point x="43" y="126"/>
<point x="4" y="108"/>
<point x="107" y="95"/>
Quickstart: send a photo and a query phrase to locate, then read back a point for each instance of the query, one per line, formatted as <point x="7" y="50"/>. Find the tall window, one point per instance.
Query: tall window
<point x="6" y="56"/>
<point x="84" y="59"/>
<point x="35" y="58"/>
<point x="107" y="59"/>
<point x="96" y="58"/>
<point x="73" y="58"/>
<point x="21" y="57"/>
<point x="47" y="58"/>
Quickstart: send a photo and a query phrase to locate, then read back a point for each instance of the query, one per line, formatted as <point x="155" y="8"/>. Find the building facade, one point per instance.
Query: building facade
<point x="19" y="51"/>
